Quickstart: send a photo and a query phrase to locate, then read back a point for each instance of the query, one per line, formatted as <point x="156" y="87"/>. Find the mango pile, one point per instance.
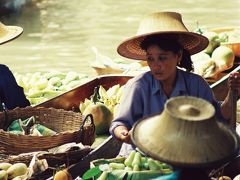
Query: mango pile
<point x="42" y="86"/>
<point x="13" y="171"/>
<point x="103" y="105"/>
<point x="135" y="165"/>
<point x="215" y="58"/>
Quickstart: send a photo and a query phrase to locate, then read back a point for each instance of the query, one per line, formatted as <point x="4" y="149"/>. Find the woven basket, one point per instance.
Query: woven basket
<point x="70" y="127"/>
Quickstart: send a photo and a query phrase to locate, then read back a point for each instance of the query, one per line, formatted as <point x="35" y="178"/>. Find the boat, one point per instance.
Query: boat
<point x="110" y="147"/>
<point x="107" y="70"/>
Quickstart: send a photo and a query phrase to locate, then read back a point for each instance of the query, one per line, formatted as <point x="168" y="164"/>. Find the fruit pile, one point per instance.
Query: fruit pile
<point x="215" y="58"/>
<point x="12" y="171"/>
<point x="135" y="165"/>
<point x="39" y="87"/>
<point x="103" y="105"/>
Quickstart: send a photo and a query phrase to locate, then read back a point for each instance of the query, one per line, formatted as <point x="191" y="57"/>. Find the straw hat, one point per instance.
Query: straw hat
<point x="166" y="24"/>
<point x="8" y="33"/>
<point x="186" y="134"/>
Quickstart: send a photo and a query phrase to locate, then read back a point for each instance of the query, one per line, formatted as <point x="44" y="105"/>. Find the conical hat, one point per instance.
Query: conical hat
<point x="8" y="33"/>
<point x="186" y="134"/>
<point x="166" y="24"/>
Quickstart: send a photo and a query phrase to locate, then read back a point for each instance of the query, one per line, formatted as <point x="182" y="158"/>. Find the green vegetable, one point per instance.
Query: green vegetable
<point x="117" y="166"/>
<point x="103" y="176"/>
<point x="127" y="168"/>
<point x="91" y="173"/>
<point x="136" y="167"/>
<point x="74" y="83"/>
<point x="152" y="164"/>
<point x="128" y="161"/>
<point x="55" y="74"/>
<point x="55" y="81"/>
<point x="137" y="161"/>
<point x="71" y="76"/>
<point x="144" y="163"/>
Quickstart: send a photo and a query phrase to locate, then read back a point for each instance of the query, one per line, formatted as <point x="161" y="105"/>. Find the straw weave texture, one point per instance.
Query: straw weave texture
<point x="65" y="123"/>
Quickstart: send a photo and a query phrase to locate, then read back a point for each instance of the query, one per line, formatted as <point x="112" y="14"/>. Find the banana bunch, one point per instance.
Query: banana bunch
<point x="39" y="86"/>
<point x="110" y="98"/>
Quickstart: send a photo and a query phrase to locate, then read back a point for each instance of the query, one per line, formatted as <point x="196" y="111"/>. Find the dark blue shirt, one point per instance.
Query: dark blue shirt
<point x="10" y="93"/>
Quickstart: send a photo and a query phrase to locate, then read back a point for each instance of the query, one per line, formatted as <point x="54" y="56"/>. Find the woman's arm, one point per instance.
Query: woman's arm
<point x="129" y="111"/>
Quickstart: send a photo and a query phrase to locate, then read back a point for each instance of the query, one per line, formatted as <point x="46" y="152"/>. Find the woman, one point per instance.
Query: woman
<point x="11" y="95"/>
<point x="166" y="44"/>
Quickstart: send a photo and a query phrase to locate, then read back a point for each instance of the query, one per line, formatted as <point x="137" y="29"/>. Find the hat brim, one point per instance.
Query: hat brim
<point x="11" y="33"/>
<point x="205" y="156"/>
<point x="192" y="42"/>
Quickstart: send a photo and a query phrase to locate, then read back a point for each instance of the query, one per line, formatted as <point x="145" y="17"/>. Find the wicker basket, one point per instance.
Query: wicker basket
<point x="71" y="127"/>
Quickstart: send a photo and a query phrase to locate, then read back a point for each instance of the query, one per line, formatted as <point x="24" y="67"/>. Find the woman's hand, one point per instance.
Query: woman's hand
<point x="234" y="82"/>
<point x="123" y="134"/>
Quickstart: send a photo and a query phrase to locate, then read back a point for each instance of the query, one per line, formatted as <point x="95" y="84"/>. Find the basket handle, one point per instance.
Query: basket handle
<point x="83" y="123"/>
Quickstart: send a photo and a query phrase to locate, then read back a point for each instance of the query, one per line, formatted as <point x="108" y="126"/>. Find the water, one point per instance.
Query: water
<point x="59" y="34"/>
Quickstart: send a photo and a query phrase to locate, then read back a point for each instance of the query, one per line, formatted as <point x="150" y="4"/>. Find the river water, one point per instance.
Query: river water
<point x="59" y="34"/>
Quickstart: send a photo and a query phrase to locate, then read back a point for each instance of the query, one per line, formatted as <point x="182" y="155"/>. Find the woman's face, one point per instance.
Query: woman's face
<point x="162" y="63"/>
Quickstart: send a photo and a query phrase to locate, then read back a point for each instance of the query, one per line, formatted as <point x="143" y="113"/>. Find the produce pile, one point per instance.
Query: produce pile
<point x="135" y="166"/>
<point x="39" y="86"/>
<point x="103" y="105"/>
<point x="20" y="171"/>
<point x="11" y="171"/>
<point x="216" y="57"/>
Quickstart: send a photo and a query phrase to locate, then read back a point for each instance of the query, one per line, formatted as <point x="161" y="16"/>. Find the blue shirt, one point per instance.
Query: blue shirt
<point x="143" y="96"/>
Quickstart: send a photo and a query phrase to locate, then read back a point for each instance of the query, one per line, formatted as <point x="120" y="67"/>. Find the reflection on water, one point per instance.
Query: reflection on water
<point x="59" y="34"/>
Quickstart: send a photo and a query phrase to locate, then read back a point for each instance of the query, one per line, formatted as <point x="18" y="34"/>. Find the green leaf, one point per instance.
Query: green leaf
<point x="91" y="173"/>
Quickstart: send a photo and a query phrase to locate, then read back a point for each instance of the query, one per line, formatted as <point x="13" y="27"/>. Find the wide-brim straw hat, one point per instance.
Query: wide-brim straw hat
<point x="8" y="33"/>
<point x="186" y="134"/>
<point x="165" y="24"/>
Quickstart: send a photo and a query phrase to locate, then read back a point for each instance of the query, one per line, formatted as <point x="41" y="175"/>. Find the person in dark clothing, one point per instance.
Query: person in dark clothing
<point x="11" y="95"/>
